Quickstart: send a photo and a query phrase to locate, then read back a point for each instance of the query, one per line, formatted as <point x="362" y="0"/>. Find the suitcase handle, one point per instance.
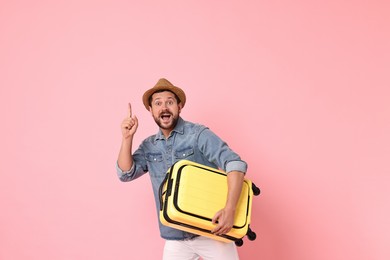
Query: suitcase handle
<point x="160" y="190"/>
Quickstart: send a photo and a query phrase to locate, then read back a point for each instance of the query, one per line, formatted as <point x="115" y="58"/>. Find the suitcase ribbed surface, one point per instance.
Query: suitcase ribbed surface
<point x="193" y="193"/>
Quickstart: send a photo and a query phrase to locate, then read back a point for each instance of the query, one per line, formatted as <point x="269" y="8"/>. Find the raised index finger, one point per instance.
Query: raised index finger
<point x="129" y="114"/>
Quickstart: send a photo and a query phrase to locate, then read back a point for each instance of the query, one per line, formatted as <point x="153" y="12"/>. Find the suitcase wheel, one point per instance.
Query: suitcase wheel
<point x="256" y="190"/>
<point x="239" y="242"/>
<point x="251" y="235"/>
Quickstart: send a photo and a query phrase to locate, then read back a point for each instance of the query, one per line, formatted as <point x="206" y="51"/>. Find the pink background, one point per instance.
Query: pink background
<point x="299" y="88"/>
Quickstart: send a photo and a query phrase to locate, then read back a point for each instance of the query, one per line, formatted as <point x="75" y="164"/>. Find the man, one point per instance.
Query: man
<point x="178" y="139"/>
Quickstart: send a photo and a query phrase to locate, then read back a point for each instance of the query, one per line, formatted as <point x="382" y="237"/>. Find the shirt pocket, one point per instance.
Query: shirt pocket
<point x="184" y="153"/>
<point x="154" y="157"/>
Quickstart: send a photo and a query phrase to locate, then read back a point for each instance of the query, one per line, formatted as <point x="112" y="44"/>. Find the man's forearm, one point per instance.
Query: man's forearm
<point x="125" y="157"/>
<point x="235" y="180"/>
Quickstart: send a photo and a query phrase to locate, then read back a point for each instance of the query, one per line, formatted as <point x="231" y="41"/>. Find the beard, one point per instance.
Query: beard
<point x="166" y="125"/>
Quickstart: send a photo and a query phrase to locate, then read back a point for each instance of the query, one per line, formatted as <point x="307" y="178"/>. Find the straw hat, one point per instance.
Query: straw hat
<point x="163" y="84"/>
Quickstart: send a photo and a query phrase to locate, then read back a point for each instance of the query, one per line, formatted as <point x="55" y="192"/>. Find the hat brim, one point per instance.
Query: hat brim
<point x="178" y="91"/>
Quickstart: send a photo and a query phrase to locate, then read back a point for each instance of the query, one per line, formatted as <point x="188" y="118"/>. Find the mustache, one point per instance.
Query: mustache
<point x="165" y="113"/>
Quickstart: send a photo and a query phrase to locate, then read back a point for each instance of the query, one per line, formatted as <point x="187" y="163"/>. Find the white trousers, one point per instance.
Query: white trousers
<point x="199" y="248"/>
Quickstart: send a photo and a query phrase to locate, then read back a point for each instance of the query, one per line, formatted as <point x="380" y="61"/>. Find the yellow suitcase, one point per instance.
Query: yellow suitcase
<point x="192" y="193"/>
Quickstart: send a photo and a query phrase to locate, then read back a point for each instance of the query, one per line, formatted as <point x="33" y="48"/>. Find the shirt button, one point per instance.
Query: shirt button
<point x="184" y="154"/>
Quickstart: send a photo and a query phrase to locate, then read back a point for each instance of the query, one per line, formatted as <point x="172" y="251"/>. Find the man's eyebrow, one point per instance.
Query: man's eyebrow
<point x="162" y="98"/>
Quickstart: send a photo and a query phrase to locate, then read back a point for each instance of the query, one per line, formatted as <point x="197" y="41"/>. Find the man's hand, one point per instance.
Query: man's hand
<point x="129" y="125"/>
<point x="224" y="219"/>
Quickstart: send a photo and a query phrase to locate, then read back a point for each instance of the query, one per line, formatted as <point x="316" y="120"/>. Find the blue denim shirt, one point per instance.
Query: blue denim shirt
<point x="189" y="141"/>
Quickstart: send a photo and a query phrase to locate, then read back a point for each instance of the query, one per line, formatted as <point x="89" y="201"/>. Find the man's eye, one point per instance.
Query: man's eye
<point x="157" y="103"/>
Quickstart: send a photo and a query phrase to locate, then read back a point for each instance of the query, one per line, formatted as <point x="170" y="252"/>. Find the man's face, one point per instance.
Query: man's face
<point x="165" y="110"/>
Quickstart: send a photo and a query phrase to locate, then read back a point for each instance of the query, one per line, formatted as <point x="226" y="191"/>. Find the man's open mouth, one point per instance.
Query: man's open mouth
<point x="165" y="117"/>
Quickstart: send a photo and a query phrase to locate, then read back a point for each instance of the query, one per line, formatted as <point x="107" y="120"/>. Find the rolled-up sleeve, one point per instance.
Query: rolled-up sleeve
<point x="240" y="166"/>
<point x="121" y="172"/>
<point x="124" y="175"/>
<point x="131" y="174"/>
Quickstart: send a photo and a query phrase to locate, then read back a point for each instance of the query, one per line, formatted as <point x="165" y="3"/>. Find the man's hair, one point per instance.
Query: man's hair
<point x="162" y="90"/>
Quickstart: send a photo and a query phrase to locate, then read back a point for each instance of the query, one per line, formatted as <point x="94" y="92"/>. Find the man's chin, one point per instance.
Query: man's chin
<point x="164" y="125"/>
<point x="167" y="125"/>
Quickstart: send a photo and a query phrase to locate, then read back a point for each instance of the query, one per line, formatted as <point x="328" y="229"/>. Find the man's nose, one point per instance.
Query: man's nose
<point x="165" y="105"/>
